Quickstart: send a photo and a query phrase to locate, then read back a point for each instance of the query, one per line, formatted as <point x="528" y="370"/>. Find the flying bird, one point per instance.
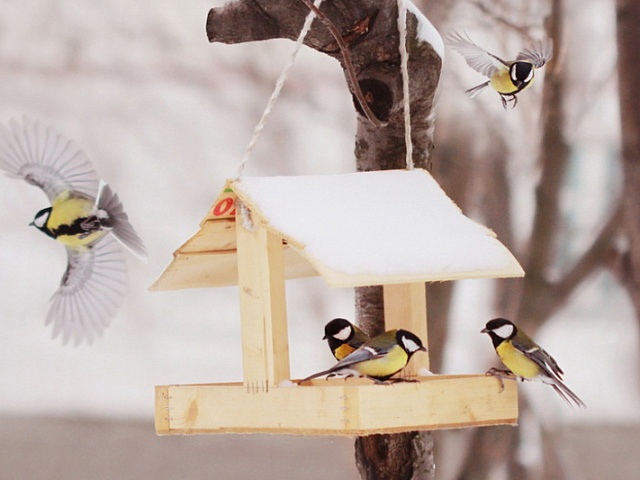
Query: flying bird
<point x="85" y="216"/>
<point x="508" y="78"/>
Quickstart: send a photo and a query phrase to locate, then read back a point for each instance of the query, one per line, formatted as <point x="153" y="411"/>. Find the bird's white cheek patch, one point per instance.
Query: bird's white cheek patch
<point x="504" y="331"/>
<point x="410" y="345"/>
<point x="41" y="221"/>
<point x="343" y="334"/>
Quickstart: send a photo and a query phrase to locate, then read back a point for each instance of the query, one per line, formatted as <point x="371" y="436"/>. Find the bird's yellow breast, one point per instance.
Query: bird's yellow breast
<point x="501" y="83"/>
<point x="75" y="241"/>
<point x="394" y="361"/>
<point x="342" y="351"/>
<point x="66" y="209"/>
<point x="516" y="361"/>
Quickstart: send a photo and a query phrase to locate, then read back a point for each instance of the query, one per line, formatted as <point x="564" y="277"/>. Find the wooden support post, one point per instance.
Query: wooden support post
<point x="263" y="312"/>
<point x="405" y="306"/>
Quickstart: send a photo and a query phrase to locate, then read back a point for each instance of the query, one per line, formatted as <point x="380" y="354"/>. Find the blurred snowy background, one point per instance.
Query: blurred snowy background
<point x="165" y="117"/>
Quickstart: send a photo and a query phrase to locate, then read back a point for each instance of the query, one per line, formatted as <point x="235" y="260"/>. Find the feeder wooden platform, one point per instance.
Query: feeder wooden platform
<point x="337" y="406"/>
<point x="353" y="230"/>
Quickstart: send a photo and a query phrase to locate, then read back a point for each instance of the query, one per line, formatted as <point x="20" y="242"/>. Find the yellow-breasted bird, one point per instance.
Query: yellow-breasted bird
<point x="526" y="359"/>
<point x="508" y="78"/>
<point x="85" y="216"/>
<point x="380" y="358"/>
<point x="343" y="337"/>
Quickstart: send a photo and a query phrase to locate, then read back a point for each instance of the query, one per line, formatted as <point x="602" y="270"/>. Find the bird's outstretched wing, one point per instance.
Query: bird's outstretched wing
<point x="45" y="158"/>
<point x="91" y="291"/>
<point x="118" y="221"/>
<point x="477" y="58"/>
<point x="538" y="53"/>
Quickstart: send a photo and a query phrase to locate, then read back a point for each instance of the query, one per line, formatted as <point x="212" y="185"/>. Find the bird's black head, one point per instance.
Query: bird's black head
<point x="409" y="342"/>
<point x="40" y="221"/>
<point x="521" y="74"/>
<point x="500" y="329"/>
<point x="340" y="329"/>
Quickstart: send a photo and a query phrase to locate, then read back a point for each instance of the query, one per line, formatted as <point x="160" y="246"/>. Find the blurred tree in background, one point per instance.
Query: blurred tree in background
<point x="469" y="168"/>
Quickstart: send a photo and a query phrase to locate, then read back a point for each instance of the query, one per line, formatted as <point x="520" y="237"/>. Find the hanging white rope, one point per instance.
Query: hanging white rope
<point x="276" y="91"/>
<point x="404" y="66"/>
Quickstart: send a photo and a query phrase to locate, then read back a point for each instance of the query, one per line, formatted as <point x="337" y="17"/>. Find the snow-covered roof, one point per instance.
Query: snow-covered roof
<point x="365" y="228"/>
<point x="426" y="31"/>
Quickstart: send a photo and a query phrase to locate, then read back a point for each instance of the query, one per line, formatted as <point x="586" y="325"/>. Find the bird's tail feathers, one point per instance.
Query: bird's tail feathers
<point x="316" y="375"/>
<point x="347" y="372"/>
<point x="118" y="221"/>
<point x="478" y="89"/>
<point x="566" y="393"/>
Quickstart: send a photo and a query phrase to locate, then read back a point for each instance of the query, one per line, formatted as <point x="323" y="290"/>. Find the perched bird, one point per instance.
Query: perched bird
<point x="508" y="78"/>
<point x="343" y="337"/>
<point x="85" y="216"/>
<point x="526" y="359"/>
<point x="380" y="358"/>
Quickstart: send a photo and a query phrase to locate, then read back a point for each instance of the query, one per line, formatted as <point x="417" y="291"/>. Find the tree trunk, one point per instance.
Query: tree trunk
<point x="369" y="27"/>
<point x="529" y="310"/>
<point x="628" y="19"/>
<point x="553" y="159"/>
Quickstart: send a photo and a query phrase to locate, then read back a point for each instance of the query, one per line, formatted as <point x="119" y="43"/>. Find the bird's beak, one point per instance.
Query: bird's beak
<point x="32" y="224"/>
<point x="424" y="349"/>
<point x="324" y="338"/>
<point x="484" y="330"/>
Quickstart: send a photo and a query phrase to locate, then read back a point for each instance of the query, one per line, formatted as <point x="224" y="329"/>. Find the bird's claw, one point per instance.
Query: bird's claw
<point x="500" y="375"/>
<point x="511" y="100"/>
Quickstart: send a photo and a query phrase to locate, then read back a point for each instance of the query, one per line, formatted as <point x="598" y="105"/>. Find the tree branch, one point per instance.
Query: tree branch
<point x="346" y="58"/>
<point x="375" y="57"/>
<point x="594" y="257"/>
<point x="553" y="158"/>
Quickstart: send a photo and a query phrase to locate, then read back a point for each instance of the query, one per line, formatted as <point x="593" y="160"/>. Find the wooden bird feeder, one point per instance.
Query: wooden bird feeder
<point x="392" y="228"/>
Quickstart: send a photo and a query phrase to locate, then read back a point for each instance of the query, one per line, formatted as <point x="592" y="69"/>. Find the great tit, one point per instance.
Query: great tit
<point x="343" y="337"/>
<point x="526" y="359"/>
<point x="85" y="216"/>
<point x="380" y="358"/>
<point x="508" y="78"/>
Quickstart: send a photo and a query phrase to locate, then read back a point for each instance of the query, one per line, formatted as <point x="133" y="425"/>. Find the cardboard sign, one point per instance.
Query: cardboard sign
<point x="224" y="206"/>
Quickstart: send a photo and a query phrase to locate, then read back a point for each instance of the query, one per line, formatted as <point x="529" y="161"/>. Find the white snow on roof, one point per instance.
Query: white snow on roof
<point x="388" y="223"/>
<point x="426" y="31"/>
